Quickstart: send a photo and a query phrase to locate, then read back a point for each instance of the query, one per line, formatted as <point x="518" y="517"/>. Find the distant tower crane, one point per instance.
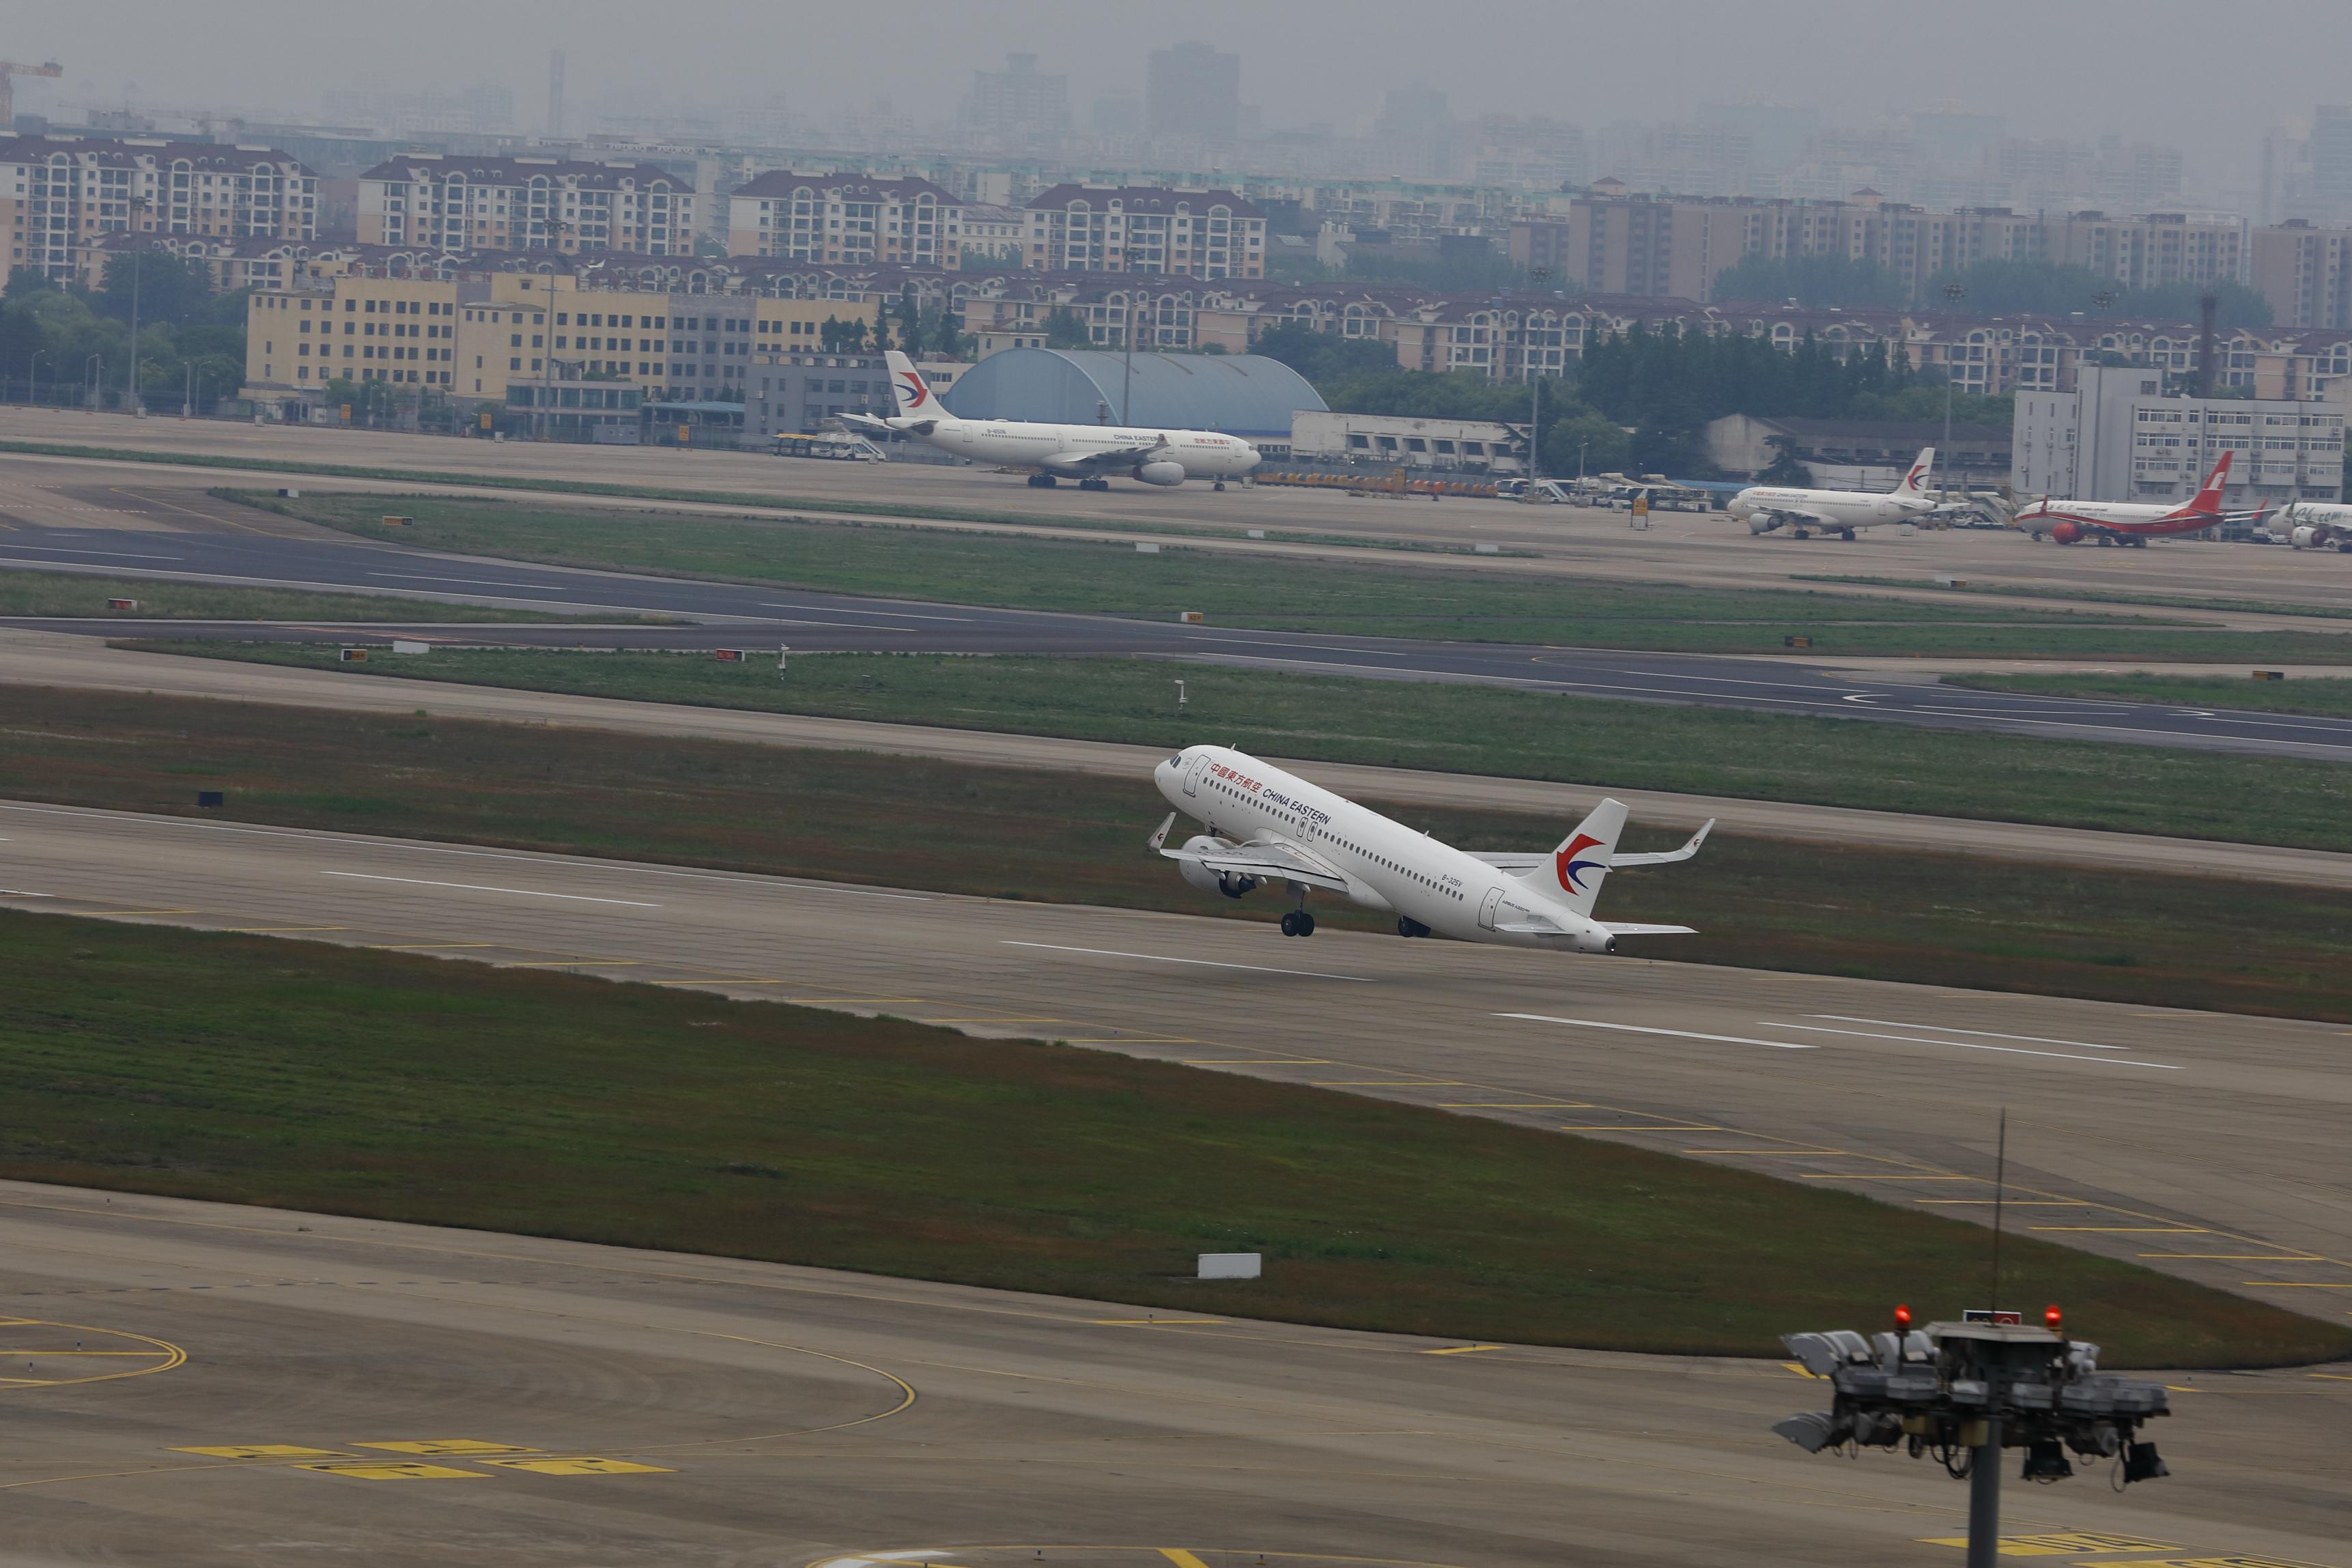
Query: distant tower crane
<point x="9" y="70"/>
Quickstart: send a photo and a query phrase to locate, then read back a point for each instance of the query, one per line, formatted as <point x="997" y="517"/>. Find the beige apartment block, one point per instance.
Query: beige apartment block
<point x="1144" y="228"/>
<point x="2305" y="273"/>
<point x="846" y="220"/>
<point x="397" y="329"/>
<point x="61" y="195"/>
<point x="458" y="203"/>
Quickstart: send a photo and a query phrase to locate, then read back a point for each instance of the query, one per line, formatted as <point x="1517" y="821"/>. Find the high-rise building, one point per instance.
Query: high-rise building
<point x="61" y="193"/>
<point x="2305" y="273"/>
<point x="526" y="204"/>
<point x="2331" y="162"/>
<point x="1193" y="91"/>
<point x="1019" y="103"/>
<point x="845" y="219"/>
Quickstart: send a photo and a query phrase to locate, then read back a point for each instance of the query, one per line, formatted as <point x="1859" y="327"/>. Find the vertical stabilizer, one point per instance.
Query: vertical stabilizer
<point x="1582" y="861"/>
<point x="915" y="397"/>
<point x="2207" y="502"/>
<point x="1915" y="483"/>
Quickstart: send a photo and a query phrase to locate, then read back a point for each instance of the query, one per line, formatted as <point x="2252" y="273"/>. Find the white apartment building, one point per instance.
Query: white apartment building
<point x="1195" y="234"/>
<point x="60" y="194"/>
<point x="2118" y="438"/>
<point x="845" y="219"/>
<point x="456" y="204"/>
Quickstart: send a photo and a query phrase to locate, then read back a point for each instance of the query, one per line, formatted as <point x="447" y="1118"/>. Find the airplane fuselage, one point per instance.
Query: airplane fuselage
<point x="1828" y="509"/>
<point x="1017" y="443"/>
<point x="1389" y="866"/>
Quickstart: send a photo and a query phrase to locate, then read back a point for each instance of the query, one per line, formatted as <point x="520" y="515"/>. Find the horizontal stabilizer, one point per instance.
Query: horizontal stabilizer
<point x="1665" y="857"/>
<point x="1615" y="929"/>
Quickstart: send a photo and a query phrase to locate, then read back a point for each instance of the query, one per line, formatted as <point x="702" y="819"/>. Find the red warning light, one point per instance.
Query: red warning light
<point x="1902" y="1318"/>
<point x="2050" y="1316"/>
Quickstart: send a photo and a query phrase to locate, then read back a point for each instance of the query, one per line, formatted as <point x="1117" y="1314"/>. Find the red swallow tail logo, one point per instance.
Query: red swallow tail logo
<point x="1570" y="870"/>
<point x="911" y="387"/>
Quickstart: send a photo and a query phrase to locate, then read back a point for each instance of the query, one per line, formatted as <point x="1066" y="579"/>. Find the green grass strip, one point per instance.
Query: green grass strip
<point x="307" y="1076"/>
<point x="2324" y="697"/>
<point x="1097" y="577"/>
<point x="1455" y="729"/>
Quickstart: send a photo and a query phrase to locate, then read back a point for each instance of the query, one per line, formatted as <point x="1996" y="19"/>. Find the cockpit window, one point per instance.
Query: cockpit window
<point x="1177" y="760"/>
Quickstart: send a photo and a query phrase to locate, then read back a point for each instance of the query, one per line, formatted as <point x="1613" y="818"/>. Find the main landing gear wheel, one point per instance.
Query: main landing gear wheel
<point x="1408" y="926"/>
<point x="1218" y="486"/>
<point x="1041" y="481"/>
<point x="1846" y="534"/>
<point x="1094" y="483"/>
<point x="1805" y="533"/>
<point x="1297" y="923"/>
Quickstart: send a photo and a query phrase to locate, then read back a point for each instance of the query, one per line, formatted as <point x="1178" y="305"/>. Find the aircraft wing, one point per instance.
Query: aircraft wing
<point x="1102" y="456"/>
<point x="1806" y="515"/>
<point x="1270" y="860"/>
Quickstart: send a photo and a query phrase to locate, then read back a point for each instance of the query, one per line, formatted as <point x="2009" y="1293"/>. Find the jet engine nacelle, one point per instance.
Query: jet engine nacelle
<point x="1208" y="880"/>
<point x="1161" y="473"/>
<point x="2314" y="536"/>
<point x="2065" y="533"/>
<point x="1762" y="522"/>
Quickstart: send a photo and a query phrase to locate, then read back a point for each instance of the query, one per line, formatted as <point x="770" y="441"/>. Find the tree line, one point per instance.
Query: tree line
<point x="71" y="345"/>
<point x="1639" y="400"/>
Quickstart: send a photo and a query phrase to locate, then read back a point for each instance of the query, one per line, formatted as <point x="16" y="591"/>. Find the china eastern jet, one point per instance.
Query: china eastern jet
<point x="1764" y="507"/>
<point x="1090" y="454"/>
<point x="1265" y="827"/>
<point x="2128" y="522"/>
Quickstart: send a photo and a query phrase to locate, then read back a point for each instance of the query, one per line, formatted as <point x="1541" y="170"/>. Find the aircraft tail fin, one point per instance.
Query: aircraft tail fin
<point x="2207" y="502"/>
<point x="915" y="397"/>
<point x="1582" y="862"/>
<point x="1915" y="483"/>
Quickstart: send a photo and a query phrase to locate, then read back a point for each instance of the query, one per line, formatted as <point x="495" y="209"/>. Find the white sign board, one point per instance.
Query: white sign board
<point x="1229" y="1265"/>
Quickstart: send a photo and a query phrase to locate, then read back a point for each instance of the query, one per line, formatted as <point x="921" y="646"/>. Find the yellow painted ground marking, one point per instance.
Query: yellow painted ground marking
<point x="2225" y="1563"/>
<point x="2242" y="1256"/>
<point x="1798" y="1368"/>
<point x="2062" y="1544"/>
<point x="450" y="1446"/>
<point x="2330" y="1376"/>
<point x="582" y="1466"/>
<point x="155" y="912"/>
<point x="2131" y="1229"/>
<point x="1182" y="1558"/>
<point x="428" y="946"/>
<point x="1253" y="1062"/>
<point x="989" y="1019"/>
<point x="1528" y="1105"/>
<point x="1616" y="1127"/>
<point x="1866" y="1176"/>
<point x="393" y="1471"/>
<point x="1776" y="1154"/>
<point x="2300" y="1284"/>
<point x="1383" y="1084"/>
<point x="1125" y="1039"/>
<point x="1150" y="1322"/>
<point x="574" y="964"/>
<point x="164" y="1354"/>
<point x="264" y="930"/>
<point x="1463" y="1349"/>
<point x="266" y="1451"/>
<point x="2014" y="1202"/>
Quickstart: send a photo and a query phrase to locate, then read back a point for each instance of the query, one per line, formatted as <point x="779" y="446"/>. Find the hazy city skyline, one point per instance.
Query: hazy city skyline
<point x="2066" y="71"/>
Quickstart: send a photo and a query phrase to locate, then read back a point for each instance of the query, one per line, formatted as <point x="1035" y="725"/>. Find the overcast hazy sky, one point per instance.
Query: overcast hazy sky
<point x="2206" y="76"/>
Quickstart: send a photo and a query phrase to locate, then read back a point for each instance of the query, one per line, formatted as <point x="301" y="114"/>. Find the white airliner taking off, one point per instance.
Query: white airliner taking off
<point x="1764" y="507"/>
<point x="1090" y="454"/>
<point x="1267" y="826"/>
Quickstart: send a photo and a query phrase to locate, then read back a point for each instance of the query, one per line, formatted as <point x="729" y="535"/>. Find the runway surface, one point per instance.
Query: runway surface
<point x="47" y="659"/>
<point x="215" y="1386"/>
<point x="1687" y="548"/>
<point x="2204" y="1145"/>
<point x="279" y="552"/>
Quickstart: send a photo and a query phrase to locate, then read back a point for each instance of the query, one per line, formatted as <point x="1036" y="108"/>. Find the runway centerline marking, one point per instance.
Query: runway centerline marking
<point x="829" y="610"/>
<point x="478" y="887"/>
<point x="1210" y="963"/>
<point x="1677" y="1033"/>
<point x="1987" y="1033"/>
<point x="116" y="554"/>
<point x="1974" y="1045"/>
<point x="470" y="581"/>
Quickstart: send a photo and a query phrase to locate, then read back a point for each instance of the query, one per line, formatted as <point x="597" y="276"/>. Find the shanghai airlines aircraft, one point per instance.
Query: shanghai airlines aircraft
<point x="1089" y="454"/>
<point x="2128" y="522"/>
<point x="1764" y="507"/>
<point x="1267" y="826"/>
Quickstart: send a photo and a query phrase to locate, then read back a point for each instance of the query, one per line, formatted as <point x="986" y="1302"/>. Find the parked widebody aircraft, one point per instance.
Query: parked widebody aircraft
<point x="1764" y="507"/>
<point x="1263" y="826"/>
<point x="2128" y="522"/>
<point x="1089" y="454"/>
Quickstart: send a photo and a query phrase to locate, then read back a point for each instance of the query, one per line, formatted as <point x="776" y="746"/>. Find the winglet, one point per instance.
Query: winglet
<point x="1159" y="838"/>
